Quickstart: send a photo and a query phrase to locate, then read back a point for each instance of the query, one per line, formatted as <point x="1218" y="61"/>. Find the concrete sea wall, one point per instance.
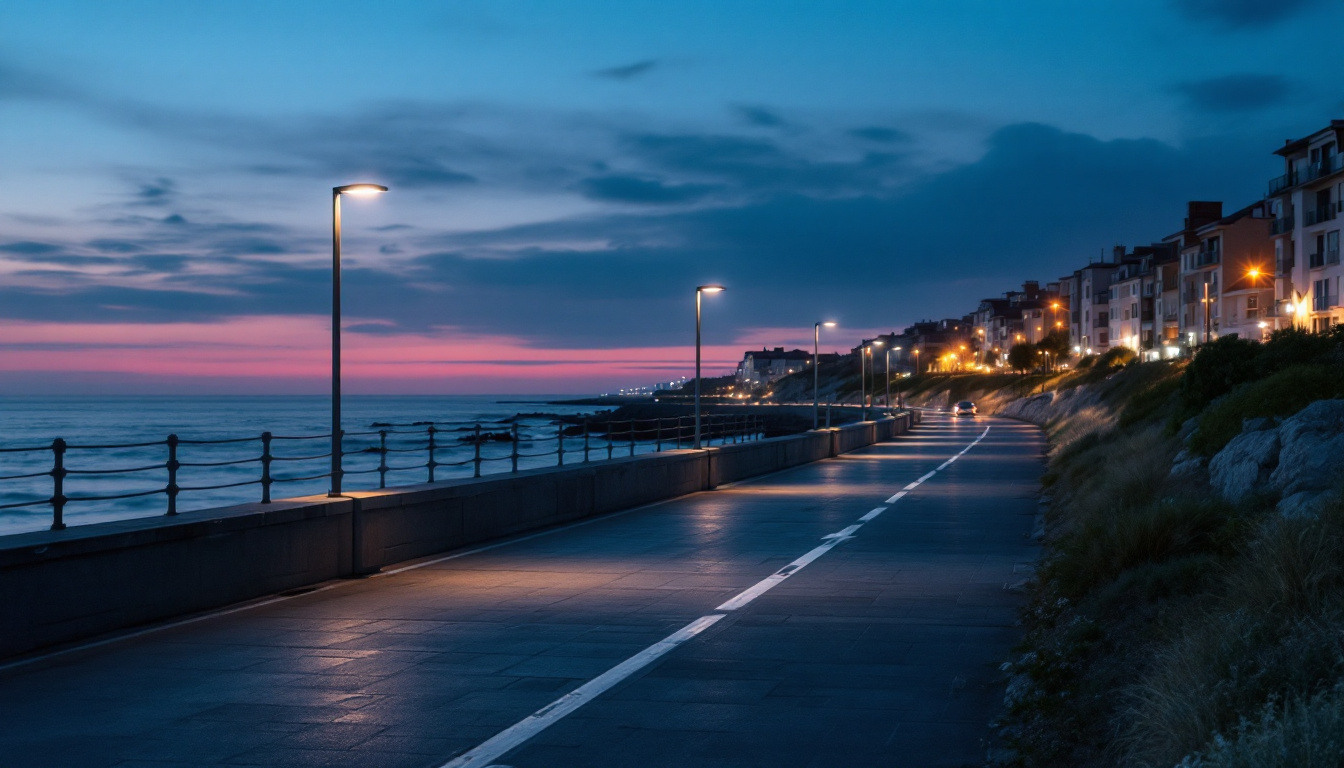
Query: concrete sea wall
<point x="61" y="586"/>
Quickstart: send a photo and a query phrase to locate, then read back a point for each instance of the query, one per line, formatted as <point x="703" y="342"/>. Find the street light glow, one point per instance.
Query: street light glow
<point x="829" y="324"/>
<point x="710" y="288"/>
<point x="361" y="189"/>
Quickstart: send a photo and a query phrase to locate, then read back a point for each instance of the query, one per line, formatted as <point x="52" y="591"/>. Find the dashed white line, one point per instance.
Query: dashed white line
<point x="515" y="735"/>
<point x="538" y="721"/>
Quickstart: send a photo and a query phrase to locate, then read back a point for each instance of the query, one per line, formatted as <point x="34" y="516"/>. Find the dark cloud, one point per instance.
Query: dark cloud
<point x="640" y="190"/>
<point x="174" y="219"/>
<point x="29" y="248"/>
<point x="110" y="245"/>
<point x="880" y="135"/>
<point x="1236" y="93"/>
<point x="759" y="117"/>
<point x="628" y="71"/>
<point x="1243" y="13"/>
<point x="158" y="192"/>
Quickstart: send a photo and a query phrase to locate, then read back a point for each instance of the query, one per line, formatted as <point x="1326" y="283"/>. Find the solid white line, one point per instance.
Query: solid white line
<point x="538" y="721"/>
<point x="876" y="511"/>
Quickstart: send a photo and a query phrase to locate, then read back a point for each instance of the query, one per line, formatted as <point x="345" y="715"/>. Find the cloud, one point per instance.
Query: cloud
<point x="628" y="71"/>
<point x="29" y="248"/>
<point x="1240" y="14"/>
<point x="640" y="190"/>
<point x="759" y="117"/>
<point x="880" y="135"/>
<point x="19" y="84"/>
<point x="1236" y="93"/>
<point x="159" y="192"/>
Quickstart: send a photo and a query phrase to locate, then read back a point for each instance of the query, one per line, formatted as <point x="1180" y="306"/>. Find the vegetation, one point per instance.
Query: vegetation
<point x="1167" y="627"/>
<point x="1022" y="357"/>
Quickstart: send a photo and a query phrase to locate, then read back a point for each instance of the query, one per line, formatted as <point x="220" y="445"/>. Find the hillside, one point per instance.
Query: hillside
<point x="1190" y="607"/>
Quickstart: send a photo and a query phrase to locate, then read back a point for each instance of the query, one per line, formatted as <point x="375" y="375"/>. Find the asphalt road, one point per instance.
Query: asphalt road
<point x="780" y="621"/>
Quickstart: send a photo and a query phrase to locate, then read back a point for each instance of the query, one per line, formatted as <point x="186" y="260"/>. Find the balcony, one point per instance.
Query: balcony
<point x="1330" y="165"/>
<point x="1284" y="265"/>
<point x="1322" y="302"/>
<point x="1318" y="215"/>
<point x="1282" y="183"/>
<point x="1316" y="260"/>
<point x="1205" y="258"/>
<point x="1282" y="226"/>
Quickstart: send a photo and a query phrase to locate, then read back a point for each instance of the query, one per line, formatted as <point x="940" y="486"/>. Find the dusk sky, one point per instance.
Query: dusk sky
<point x="563" y="174"/>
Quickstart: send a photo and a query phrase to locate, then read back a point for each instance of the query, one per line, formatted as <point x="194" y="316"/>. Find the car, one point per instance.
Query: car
<point x="964" y="408"/>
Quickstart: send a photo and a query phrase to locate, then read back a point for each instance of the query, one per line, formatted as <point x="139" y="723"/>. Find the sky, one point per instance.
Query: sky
<point x="562" y="176"/>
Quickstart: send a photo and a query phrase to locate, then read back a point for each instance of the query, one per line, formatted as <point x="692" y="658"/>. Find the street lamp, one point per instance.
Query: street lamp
<point x="699" y="289"/>
<point x="898" y="392"/>
<point x="336" y="434"/>
<point x="816" y="366"/>
<point x="872" y="367"/>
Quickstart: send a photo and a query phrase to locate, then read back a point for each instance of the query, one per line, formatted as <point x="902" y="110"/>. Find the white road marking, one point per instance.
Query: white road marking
<point x="547" y="716"/>
<point x="897" y="497"/>
<point x="515" y="735"/>
<point x="874" y="513"/>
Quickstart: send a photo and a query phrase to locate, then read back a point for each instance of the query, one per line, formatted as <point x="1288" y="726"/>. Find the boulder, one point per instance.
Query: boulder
<point x="1245" y="464"/>
<point x="1187" y="465"/>
<point x="1312" y="441"/>
<point x="1304" y="504"/>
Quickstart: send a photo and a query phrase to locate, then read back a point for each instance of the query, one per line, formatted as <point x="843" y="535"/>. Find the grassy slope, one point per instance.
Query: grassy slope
<point x="1165" y="624"/>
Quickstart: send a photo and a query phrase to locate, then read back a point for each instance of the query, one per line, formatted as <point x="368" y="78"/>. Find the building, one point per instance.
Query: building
<point x="766" y="366"/>
<point x="1092" y="296"/>
<point x="1305" y="204"/>
<point x="1135" y="299"/>
<point x="1225" y="264"/>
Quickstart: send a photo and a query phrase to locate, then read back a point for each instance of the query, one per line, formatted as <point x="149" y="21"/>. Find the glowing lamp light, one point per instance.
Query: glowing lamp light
<point x="361" y="189"/>
<point x="830" y="324"/>
<point x="711" y="288"/>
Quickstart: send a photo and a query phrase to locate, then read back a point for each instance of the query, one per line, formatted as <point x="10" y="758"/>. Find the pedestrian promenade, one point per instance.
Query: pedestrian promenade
<point x="848" y="612"/>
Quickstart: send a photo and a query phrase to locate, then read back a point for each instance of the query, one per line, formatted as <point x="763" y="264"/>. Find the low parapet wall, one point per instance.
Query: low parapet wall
<point x="60" y="586"/>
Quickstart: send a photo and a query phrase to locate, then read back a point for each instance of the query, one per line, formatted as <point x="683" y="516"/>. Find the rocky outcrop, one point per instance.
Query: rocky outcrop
<point x="1245" y="464"/>
<point x="1039" y="409"/>
<point x="1297" y="459"/>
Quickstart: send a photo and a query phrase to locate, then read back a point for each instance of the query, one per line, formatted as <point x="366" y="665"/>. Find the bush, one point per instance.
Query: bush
<point x="1219" y="366"/>
<point x="1282" y="394"/>
<point x="1290" y="347"/>
<point x="1302" y="733"/>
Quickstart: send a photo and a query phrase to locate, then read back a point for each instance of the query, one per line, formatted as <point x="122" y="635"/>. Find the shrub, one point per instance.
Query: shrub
<point x="1219" y="366"/>
<point x="1288" y="347"/>
<point x="1302" y="733"/>
<point x="1282" y="394"/>
<point x="1118" y="357"/>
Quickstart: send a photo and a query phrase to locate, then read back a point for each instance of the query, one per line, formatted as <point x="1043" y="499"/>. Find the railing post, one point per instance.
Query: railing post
<point x="679" y="433"/>
<point x="58" y="485"/>
<point x="632" y="437"/>
<point x="266" y="459"/>
<point x="382" y="458"/>
<point x="477" y="459"/>
<point x="172" y="475"/>
<point x="658" y="425"/>
<point x="431" y="463"/>
<point x="611" y="439"/>
<point x="560" y="444"/>
<point x="585" y="441"/>
<point x="513" y="453"/>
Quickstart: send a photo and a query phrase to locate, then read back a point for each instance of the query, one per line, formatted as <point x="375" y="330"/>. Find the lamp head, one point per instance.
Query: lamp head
<point x="830" y="324"/>
<point x="359" y="189"/>
<point x="710" y="288"/>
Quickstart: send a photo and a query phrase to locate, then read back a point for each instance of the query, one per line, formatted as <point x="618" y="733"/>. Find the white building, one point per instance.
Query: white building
<point x="1306" y="205"/>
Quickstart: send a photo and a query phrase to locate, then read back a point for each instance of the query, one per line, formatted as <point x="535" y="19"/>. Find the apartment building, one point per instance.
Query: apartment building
<point x="1306" y="203"/>
<point x="766" y="366"/>
<point x="1225" y="285"/>
<point x="1135" y="302"/>
<point x="1092" y="297"/>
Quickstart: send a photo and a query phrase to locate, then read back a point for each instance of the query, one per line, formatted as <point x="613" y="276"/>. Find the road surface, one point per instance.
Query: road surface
<point x="850" y="612"/>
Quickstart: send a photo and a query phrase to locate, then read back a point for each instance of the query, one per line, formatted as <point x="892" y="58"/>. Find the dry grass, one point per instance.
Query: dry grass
<point x="1302" y="733"/>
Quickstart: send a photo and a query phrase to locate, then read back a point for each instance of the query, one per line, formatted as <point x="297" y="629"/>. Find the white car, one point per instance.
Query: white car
<point x="964" y="408"/>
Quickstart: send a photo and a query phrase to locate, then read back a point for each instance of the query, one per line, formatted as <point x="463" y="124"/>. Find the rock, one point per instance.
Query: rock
<point x="1245" y="464"/>
<point x="1312" y="441"/>
<point x="1257" y="424"/>
<point x="1186" y="464"/>
<point x="1188" y="428"/>
<point x="1304" y="504"/>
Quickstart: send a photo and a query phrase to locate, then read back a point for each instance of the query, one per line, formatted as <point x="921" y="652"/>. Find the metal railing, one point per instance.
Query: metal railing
<point x="176" y="458"/>
<point x="1319" y="215"/>
<point x="1282" y="225"/>
<point x="1322" y="302"/>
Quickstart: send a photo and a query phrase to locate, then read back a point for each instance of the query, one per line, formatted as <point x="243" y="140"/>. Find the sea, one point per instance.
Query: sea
<point x="117" y="448"/>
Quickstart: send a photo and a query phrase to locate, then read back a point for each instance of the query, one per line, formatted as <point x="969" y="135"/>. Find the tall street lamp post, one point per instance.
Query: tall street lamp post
<point x="699" y="289"/>
<point x="872" y="370"/>
<point x="816" y="366"/>
<point x="887" y="402"/>
<point x="336" y="433"/>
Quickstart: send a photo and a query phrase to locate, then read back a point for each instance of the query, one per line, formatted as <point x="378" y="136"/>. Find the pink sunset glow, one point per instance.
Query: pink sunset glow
<point x="293" y="353"/>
